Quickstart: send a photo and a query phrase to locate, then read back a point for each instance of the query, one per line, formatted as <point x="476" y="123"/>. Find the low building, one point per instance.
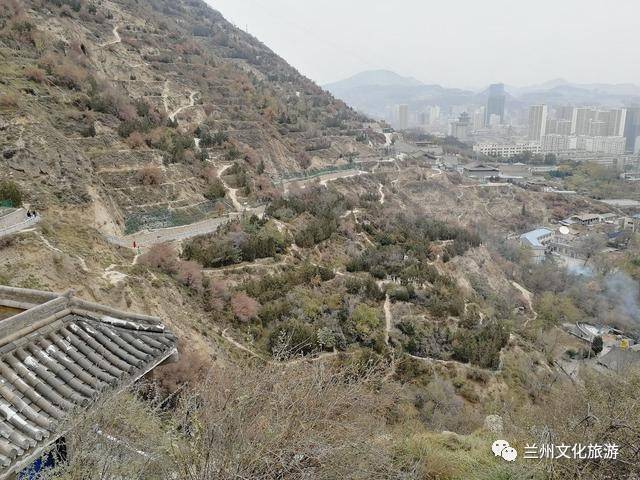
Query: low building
<point x="587" y="219"/>
<point x="537" y="241"/>
<point x="631" y="223"/>
<point x="481" y="171"/>
<point x="58" y="354"/>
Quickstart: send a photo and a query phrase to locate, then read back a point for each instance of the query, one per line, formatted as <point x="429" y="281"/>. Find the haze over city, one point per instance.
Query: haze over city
<point x="466" y="44"/>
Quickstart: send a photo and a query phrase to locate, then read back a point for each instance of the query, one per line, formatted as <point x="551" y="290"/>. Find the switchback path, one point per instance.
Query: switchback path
<point x="116" y="39"/>
<point x="231" y="191"/>
<point x="192" y="102"/>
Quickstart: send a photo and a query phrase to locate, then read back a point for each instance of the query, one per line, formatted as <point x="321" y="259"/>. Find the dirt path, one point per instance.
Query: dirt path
<point x="381" y="192"/>
<point x="528" y="296"/>
<point x="242" y="347"/>
<point x="116" y="39"/>
<point x="232" y="192"/>
<point x="165" y="96"/>
<point x="192" y="102"/>
<point x="388" y="316"/>
<point x="388" y="319"/>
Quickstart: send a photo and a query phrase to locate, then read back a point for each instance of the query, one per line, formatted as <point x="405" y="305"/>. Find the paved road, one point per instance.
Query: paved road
<point x="16" y="221"/>
<point x="148" y="238"/>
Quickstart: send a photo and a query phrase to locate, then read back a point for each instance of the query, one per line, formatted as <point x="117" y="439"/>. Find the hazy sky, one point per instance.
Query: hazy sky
<point x="463" y="43"/>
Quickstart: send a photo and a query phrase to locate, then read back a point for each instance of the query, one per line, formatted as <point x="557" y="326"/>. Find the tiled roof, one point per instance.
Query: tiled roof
<point x="59" y="356"/>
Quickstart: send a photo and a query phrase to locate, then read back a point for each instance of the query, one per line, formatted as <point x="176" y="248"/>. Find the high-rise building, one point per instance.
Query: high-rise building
<point x="564" y="127"/>
<point x="584" y="117"/>
<point x="565" y="112"/>
<point x="632" y="130"/>
<point x="460" y="128"/>
<point x="479" y="120"/>
<point x="552" y="126"/>
<point x="403" y="117"/>
<point x="495" y="103"/>
<point x="537" y="122"/>
<point x="599" y="128"/>
<point x="617" y="121"/>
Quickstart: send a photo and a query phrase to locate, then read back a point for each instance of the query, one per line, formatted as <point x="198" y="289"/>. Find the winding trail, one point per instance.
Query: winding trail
<point x="192" y="102"/>
<point x="116" y="39"/>
<point x="381" y="192"/>
<point x="294" y="361"/>
<point x="231" y="191"/>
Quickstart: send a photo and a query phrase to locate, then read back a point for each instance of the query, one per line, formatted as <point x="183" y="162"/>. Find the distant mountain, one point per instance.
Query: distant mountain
<point x="374" y="78"/>
<point x="562" y="91"/>
<point x="375" y="92"/>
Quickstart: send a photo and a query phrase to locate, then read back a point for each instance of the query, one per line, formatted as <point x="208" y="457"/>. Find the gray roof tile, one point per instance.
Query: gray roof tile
<point x="47" y="374"/>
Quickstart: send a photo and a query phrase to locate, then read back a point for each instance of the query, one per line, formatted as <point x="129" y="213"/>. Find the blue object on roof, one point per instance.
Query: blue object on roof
<point x="637" y="215"/>
<point x="534" y="236"/>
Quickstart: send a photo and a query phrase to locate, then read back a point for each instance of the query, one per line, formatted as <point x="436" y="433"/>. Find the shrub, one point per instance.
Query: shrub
<point x="136" y="140"/>
<point x="244" y="307"/>
<point x="291" y="339"/>
<point x="9" y="101"/>
<point x="150" y="175"/>
<point x="481" y="347"/>
<point x="10" y="191"/>
<point x="162" y="257"/>
<point x="215" y="190"/>
<point x="190" y="274"/>
<point x="69" y="76"/>
<point x="35" y="74"/>
<point x="217" y="295"/>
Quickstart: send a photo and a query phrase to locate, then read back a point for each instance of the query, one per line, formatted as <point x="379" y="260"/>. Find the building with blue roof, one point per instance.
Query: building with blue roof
<point x="537" y="241"/>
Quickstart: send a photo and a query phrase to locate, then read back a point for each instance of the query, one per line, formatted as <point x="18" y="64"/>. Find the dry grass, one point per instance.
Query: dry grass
<point x="9" y="101"/>
<point x="298" y="422"/>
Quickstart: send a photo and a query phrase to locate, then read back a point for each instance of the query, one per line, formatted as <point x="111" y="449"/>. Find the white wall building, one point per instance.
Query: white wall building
<point x="506" y="150"/>
<point x="537" y="122"/>
<point x="403" y="117"/>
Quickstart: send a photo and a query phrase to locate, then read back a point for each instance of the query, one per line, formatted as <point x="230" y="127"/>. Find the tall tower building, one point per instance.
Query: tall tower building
<point x="584" y="117"/>
<point x="537" y="122"/>
<point x="565" y="127"/>
<point x="496" y="102"/>
<point x="566" y="114"/>
<point x="632" y="129"/>
<point x="616" y="123"/>
<point x="403" y="117"/>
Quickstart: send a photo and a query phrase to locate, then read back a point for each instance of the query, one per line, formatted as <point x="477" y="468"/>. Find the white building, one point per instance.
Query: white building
<point x="553" y="143"/>
<point x="537" y="122"/>
<point x="403" y="116"/>
<point x="608" y="145"/>
<point x="506" y="150"/>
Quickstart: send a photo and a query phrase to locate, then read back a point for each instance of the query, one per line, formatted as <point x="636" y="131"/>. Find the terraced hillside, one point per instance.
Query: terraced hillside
<point x="136" y="106"/>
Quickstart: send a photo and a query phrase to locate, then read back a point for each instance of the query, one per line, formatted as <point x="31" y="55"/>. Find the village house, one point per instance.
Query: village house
<point x="537" y="241"/>
<point x="59" y="353"/>
<point x="631" y="223"/>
